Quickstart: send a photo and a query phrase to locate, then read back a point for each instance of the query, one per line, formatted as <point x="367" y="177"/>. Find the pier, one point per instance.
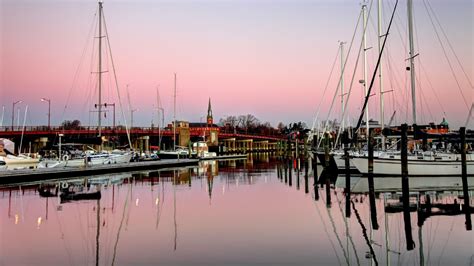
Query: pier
<point x="145" y="138"/>
<point x="28" y="175"/>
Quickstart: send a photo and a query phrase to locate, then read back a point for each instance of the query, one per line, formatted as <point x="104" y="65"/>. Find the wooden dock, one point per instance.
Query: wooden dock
<point x="27" y="175"/>
<point x="225" y="157"/>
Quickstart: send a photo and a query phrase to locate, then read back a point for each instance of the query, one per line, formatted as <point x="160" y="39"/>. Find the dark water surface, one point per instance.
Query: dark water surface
<point x="222" y="213"/>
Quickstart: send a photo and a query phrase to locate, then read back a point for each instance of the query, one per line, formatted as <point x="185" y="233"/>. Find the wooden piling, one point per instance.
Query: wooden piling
<point x="290" y="172"/>
<point x="348" y="183"/>
<point x="325" y="171"/>
<point x="297" y="177"/>
<point x="370" y="177"/>
<point x="406" y="189"/>
<point x="306" y="186"/>
<point x="315" y="177"/>
<point x="465" y="192"/>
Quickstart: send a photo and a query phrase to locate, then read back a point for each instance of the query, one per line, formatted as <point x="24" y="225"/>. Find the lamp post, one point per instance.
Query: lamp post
<point x="49" y="111"/>
<point x="13" y="111"/>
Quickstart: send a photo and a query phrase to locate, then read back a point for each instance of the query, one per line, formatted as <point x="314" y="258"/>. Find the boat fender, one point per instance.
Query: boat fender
<point x="64" y="185"/>
<point x="65" y="158"/>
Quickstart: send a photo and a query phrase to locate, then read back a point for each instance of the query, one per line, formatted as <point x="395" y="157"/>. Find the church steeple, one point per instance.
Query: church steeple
<point x="210" y="120"/>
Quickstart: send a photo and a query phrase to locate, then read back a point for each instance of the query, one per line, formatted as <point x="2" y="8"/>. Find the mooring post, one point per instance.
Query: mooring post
<point x="315" y="176"/>
<point x="370" y="177"/>
<point x="465" y="192"/>
<point x="306" y="186"/>
<point x="406" y="189"/>
<point x="348" y="183"/>
<point x="290" y="172"/>
<point x="325" y="171"/>
<point x="297" y="175"/>
<point x="315" y="168"/>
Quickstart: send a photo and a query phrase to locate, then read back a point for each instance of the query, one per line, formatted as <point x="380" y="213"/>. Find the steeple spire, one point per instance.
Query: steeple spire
<point x="210" y="120"/>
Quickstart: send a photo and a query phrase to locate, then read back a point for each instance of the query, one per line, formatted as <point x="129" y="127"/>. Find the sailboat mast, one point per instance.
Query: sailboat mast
<point x="160" y="115"/>
<point x="3" y="114"/>
<point x="412" y="57"/>
<point x="174" y="115"/>
<point x="364" y="40"/>
<point x="100" y="70"/>
<point x="379" y="30"/>
<point x="341" y="46"/>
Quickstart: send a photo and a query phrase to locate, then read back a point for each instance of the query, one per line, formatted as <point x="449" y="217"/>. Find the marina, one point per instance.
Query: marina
<point x="230" y="134"/>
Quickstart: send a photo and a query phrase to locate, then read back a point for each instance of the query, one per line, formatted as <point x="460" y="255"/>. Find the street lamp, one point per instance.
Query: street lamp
<point x="49" y="110"/>
<point x="13" y="111"/>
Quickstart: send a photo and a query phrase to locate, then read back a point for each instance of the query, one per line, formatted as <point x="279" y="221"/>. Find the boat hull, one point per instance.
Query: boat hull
<point x="392" y="167"/>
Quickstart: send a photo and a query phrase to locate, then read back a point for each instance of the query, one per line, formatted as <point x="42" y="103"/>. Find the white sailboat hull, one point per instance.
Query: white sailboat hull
<point x="394" y="184"/>
<point x="18" y="162"/>
<point x="392" y="167"/>
<point x="93" y="160"/>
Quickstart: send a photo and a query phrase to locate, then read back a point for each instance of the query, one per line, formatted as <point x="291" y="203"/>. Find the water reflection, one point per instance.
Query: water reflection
<point x="265" y="210"/>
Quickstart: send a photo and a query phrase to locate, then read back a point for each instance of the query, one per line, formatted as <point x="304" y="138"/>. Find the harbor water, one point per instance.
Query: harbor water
<point x="260" y="211"/>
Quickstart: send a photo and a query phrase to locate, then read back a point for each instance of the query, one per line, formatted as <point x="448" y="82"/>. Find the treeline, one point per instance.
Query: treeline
<point x="250" y="124"/>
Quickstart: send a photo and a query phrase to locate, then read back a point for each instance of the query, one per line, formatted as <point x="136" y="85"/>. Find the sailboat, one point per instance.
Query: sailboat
<point x="178" y="151"/>
<point x="10" y="161"/>
<point x="421" y="164"/>
<point x="90" y="158"/>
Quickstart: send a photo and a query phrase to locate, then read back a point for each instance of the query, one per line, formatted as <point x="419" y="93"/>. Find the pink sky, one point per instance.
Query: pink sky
<point x="268" y="58"/>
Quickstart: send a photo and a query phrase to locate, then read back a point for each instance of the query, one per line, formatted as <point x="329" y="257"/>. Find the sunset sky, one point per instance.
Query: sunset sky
<point x="267" y="58"/>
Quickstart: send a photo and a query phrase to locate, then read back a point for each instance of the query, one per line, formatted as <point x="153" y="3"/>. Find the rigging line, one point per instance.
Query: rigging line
<point x="375" y="70"/>
<point x="326" y="231"/>
<point x="325" y="89"/>
<point x="353" y="77"/>
<point x="347" y="230"/>
<point x="424" y="98"/>
<point x="81" y="231"/>
<point x="116" y="82"/>
<point x="341" y="76"/>
<point x="447" y="240"/>
<point x="125" y="205"/>
<point x="79" y="66"/>
<point x="90" y="80"/>
<point x="66" y="246"/>
<point x="449" y="43"/>
<point x="337" y="236"/>
<point x="432" y="88"/>
<point x="364" y="232"/>
<point x="447" y="58"/>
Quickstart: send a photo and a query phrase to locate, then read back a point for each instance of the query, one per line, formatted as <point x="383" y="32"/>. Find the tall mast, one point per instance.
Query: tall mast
<point x="364" y="19"/>
<point x="341" y="46"/>
<point x="174" y="115"/>
<point x="382" y="122"/>
<point x="100" y="69"/>
<point x="412" y="57"/>
<point x="3" y="114"/>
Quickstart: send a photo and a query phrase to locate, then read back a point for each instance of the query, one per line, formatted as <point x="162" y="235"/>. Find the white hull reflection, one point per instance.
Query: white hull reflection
<point x="392" y="167"/>
<point x="394" y="184"/>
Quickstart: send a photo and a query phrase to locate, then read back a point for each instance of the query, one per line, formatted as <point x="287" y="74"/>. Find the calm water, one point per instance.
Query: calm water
<point x="222" y="213"/>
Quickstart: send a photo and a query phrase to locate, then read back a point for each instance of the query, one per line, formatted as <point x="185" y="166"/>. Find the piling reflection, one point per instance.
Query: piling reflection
<point x="227" y="211"/>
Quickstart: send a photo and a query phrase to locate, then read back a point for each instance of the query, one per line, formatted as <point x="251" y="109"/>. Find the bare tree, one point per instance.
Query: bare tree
<point x="247" y="122"/>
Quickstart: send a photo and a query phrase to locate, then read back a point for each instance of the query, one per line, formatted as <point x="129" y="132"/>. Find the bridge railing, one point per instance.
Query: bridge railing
<point x="120" y="129"/>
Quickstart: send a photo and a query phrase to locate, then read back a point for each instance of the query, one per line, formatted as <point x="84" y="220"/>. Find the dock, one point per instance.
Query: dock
<point x="224" y="157"/>
<point x="28" y="175"/>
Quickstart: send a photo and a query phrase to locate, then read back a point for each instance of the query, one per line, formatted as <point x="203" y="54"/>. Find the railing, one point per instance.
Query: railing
<point x="121" y="130"/>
